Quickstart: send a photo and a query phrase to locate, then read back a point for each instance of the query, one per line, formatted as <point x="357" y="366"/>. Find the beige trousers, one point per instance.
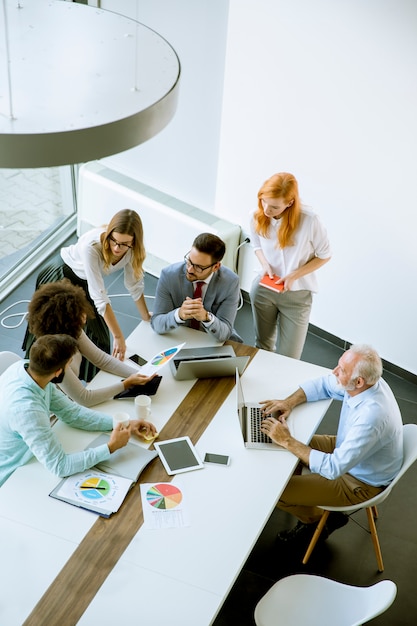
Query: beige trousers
<point x="281" y="317"/>
<point x="305" y="491"/>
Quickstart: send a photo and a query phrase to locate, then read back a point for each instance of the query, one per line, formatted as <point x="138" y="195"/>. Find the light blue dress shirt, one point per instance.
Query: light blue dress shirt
<point x="369" y="442"/>
<point x="25" y="429"/>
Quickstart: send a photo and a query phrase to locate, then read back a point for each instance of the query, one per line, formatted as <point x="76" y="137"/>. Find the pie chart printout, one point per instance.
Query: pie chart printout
<point x="164" y="496"/>
<point x="94" y="488"/>
<point x="164" y="357"/>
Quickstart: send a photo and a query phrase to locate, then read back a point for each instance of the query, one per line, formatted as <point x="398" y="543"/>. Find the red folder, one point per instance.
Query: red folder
<point x="270" y="283"/>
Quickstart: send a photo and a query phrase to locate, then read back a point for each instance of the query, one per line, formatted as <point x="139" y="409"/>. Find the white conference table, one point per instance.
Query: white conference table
<point x="177" y="576"/>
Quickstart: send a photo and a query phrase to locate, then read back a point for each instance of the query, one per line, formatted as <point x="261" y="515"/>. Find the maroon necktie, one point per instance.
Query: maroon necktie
<point x="197" y="294"/>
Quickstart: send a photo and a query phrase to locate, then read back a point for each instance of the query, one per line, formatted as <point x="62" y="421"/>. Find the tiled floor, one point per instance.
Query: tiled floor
<point x="31" y="203"/>
<point x="348" y="554"/>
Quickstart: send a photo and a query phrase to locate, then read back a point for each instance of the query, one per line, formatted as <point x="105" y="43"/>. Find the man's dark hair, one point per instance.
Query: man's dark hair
<point x="210" y="244"/>
<point x="50" y="353"/>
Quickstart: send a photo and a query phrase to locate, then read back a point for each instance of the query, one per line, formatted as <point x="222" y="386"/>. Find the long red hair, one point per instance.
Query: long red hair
<point x="285" y="186"/>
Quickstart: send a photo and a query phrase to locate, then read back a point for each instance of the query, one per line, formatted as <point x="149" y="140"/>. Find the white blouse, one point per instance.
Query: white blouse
<point x="86" y="261"/>
<point x="310" y="240"/>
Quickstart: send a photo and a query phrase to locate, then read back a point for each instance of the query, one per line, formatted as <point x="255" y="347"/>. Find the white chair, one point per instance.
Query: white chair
<point x="6" y="359"/>
<point x="410" y="455"/>
<point x="306" y="600"/>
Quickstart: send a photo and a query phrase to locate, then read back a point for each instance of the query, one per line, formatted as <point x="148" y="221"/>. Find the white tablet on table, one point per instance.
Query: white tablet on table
<point x="178" y="455"/>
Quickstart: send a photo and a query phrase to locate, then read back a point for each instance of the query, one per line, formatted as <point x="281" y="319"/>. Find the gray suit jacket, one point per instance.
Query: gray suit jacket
<point x="221" y="299"/>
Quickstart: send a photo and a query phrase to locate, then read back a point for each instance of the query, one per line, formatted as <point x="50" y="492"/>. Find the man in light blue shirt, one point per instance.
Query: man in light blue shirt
<point x="29" y="397"/>
<point x="357" y="463"/>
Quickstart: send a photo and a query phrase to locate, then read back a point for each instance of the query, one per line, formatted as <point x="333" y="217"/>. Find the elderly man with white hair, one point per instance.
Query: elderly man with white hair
<point x="357" y="463"/>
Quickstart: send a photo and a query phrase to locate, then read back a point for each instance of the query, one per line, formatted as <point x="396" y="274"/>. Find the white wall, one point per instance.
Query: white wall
<point x="328" y="91"/>
<point x="182" y="159"/>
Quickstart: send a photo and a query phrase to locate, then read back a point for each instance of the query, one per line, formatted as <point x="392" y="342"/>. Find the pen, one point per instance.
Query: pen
<point x="91" y="487"/>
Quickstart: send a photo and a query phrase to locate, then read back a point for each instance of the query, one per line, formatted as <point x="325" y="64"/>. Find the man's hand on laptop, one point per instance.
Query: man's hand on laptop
<point x="277" y="430"/>
<point x="279" y="409"/>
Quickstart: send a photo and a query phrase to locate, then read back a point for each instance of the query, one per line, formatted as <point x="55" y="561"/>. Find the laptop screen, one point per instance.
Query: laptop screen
<point x="240" y="405"/>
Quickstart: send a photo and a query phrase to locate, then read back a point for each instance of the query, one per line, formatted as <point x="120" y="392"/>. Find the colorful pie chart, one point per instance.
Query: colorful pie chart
<point x="165" y="356"/>
<point x="94" y="488"/>
<point x="164" y="496"/>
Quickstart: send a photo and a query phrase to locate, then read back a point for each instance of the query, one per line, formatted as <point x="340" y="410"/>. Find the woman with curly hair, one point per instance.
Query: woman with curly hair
<point x="98" y="253"/>
<point x="290" y="243"/>
<point x="62" y="308"/>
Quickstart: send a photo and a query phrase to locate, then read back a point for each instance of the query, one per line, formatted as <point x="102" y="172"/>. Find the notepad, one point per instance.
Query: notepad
<point x="270" y="283"/>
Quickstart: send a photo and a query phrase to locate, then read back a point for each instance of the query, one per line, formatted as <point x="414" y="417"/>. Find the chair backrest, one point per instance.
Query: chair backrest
<point x="409" y="455"/>
<point x="410" y="448"/>
<point x="7" y="359"/>
<point x="310" y="600"/>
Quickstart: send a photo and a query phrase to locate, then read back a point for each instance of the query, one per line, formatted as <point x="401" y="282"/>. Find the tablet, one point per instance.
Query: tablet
<point x="148" y="389"/>
<point x="178" y="455"/>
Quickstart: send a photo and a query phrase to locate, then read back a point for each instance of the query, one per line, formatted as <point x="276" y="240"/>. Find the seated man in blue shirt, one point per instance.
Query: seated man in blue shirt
<point x="357" y="463"/>
<point x="29" y="397"/>
<point x="198" y="292"/>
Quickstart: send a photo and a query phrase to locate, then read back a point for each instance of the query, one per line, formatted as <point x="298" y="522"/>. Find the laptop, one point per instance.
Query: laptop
<point x="250" y="418"/>
<point x="211" y="362"/>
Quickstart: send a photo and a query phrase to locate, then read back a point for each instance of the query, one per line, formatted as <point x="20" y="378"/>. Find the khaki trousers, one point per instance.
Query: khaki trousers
<point x="281" y="317"/>
<point x="305" y="491"/>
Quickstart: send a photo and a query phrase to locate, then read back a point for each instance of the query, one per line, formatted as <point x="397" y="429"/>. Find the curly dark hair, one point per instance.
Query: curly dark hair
<point x="58" y="308"/>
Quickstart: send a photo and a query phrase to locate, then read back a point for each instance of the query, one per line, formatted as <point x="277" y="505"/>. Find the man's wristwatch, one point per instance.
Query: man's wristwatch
<point x="209" y="317"/>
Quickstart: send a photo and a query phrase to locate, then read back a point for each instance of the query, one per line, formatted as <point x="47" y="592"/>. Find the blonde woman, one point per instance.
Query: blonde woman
<point x="99" y="253"/>
<point x="290" y="243"/>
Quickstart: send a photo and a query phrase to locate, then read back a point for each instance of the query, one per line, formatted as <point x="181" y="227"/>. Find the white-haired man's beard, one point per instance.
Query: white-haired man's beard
<point x="350" y="386"/>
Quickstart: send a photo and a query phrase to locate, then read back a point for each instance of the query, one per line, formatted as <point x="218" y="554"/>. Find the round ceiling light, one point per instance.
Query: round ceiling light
<point x="79" y="83"/>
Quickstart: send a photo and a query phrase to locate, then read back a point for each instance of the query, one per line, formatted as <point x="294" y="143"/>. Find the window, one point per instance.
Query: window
<point x="37" y="214"/>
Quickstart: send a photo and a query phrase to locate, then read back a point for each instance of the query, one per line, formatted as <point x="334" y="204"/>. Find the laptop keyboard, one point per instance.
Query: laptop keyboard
<point x="256" y="417"/>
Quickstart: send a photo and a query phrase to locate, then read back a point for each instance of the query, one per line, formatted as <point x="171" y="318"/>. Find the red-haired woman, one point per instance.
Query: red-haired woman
<point x="290" y="242"/>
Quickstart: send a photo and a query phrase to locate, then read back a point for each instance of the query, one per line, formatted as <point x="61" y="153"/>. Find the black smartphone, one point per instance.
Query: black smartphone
<point x="218" y="459"/>
<point x="138" y="359"/>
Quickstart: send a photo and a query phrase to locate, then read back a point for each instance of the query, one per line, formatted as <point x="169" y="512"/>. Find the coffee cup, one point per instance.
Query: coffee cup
<point x="142" y="407"/>
<point x="121" y="418"/>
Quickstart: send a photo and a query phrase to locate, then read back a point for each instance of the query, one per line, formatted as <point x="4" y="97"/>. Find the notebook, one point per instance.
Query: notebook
<point x="128" y="461"/>
<point x="103" y="488"/>
<point x="250" y="418"/>
<point x="207" y="363"/>
<point x="270" y="283"/>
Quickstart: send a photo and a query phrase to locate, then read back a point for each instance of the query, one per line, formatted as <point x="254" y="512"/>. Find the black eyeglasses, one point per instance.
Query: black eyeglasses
<point x="122" y="246"/>
<point x="197" y="268"/>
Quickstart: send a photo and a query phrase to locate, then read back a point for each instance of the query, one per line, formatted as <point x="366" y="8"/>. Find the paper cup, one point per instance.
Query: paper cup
<point x="121" y="418"/>
<point x="142" y="407"/>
